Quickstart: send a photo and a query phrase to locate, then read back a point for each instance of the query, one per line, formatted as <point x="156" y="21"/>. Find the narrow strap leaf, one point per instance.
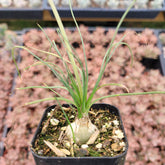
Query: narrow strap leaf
<point x="49" y="99"/>
<point x="128" y="94"/>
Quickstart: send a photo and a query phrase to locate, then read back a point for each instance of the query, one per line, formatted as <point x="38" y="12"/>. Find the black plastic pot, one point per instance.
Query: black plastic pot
<point x="162" y="56"/>
<point x="117" y="160"/>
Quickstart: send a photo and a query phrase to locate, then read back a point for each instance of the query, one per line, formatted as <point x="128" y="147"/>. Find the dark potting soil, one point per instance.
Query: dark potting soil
<point x="109" y="143"/>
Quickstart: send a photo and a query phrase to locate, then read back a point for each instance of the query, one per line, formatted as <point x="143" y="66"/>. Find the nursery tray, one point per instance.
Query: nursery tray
<point x="149" y="63"/>
<point x="162" y="56"/>
<point x="9" y="108"/>
<point x="22" y="13"/>
<point x="105" y="12"/>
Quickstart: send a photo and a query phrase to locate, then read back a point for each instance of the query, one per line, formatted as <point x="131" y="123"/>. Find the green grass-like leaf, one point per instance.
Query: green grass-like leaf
<point x="74" y="75"/>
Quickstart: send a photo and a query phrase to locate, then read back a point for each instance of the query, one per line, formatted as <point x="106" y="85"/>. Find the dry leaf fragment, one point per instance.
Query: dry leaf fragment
<point x="65" y="151"/>
<point x="93" y="137"/>
<point x="57" y="151"/>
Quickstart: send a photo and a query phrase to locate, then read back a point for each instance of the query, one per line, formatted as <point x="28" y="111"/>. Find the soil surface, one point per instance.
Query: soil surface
<point x="110" y="142"/>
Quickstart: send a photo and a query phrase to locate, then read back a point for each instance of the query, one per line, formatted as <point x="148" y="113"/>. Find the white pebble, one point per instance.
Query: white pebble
<point x="84" y="146"/>
<point x="54" y="121"/>
<point x="116" y="122"/>
<point x="48" y="114"/>
<point x="122" y="144"/>
<point x="99" y="146"/>
<point x="119" y="134"/>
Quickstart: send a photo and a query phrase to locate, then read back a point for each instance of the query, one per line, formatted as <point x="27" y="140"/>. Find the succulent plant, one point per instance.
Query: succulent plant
<point x="83" y="3"/>
<point x="162" y="38"/>
<point x="100" y="3"/>
<point x="113" y="4"/>
<point x="141" y="4"/>
<point x="19" y="4"/>
<point x="35" y="3"/>
<point x="65" y="2"/>
<point x="3" y="28"/>
<point x="56" y="2"/>
<point x="125" y="3"/>
<point x="5" y="3"/>
<point x="10" y="40"/>
<point x="156" y="4"/>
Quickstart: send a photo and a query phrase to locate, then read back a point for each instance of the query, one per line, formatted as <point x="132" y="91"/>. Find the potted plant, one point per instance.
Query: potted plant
<point x="113" y="4"/>
<point x="156" y="4"/>
<point x="72" y="130"/>
<point x="125" y="3"/>
<point x="142" y="4"/>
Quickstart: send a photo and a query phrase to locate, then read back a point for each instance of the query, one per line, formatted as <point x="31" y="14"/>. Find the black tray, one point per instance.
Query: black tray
<point x="149" y="63"/>
<point x="9" y="108"/>
<point x="22" y="13"/>
<point x="64" y="12"/>
<point x="162" y="56"/>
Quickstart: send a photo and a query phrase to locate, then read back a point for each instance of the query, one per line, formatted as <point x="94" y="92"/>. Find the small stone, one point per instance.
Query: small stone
<point x="81" y="152"/>
<point x="72" y="117"/>
<point x="116" y="147"/>
<point x="84" y="146"/>
<point x="40" y="152"/>
<point x="119" y="134"/>
<point x="99" y="146"/>
<point x="103" y="129"/>
<point x="116" y="122"/>
<point x="107" y="125"/>
<point x="54" y="121"/>
<point x="67" y="144"/>
<point x="48" y="114"/>
<point x="122" y="144"/>
<point x="106" y="143"/>
<point x="63" y="128"/>
<point x="55" y="144"/>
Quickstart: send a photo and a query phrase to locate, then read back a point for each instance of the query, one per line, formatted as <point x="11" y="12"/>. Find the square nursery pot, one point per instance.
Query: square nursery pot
<point x="116" y="160"/>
